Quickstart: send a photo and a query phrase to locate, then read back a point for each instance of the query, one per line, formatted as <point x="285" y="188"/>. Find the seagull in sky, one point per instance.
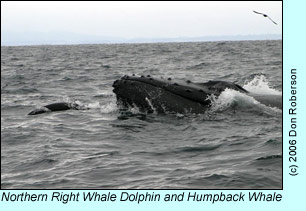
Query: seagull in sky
<point x="266" y="16"/>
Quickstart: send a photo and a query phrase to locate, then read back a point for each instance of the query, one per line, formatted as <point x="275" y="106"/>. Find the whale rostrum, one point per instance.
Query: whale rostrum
<point x="169" y="95"/>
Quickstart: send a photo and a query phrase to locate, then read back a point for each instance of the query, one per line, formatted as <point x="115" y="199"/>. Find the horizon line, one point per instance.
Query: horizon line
<point x="227" y="38"/>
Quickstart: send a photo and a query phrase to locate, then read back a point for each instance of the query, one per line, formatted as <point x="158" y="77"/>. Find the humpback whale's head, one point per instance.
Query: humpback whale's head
<point x="161" y="95"/>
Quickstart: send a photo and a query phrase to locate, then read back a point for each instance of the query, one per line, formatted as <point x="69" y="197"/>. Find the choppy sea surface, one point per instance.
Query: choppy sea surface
<point x="237" y="144"/>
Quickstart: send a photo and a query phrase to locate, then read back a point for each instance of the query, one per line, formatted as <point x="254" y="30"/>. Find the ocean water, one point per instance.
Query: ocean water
<point x="237" y="144"/>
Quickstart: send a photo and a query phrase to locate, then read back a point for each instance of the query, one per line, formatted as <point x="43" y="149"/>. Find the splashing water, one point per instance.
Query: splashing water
<point x="260" y="85"/>
<point x="107" y="108"/>
<point x="230" y="98"/>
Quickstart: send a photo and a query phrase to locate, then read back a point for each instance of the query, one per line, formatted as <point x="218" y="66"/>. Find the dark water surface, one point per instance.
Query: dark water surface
<point x="236" y="144"/>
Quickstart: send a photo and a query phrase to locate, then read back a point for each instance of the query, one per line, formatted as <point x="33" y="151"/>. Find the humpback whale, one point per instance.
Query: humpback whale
<point x="168" y="95"/>
<point x="62" y="106"/>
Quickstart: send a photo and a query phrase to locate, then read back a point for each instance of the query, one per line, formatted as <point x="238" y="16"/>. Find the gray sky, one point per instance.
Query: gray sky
<point x="142" y="19"/>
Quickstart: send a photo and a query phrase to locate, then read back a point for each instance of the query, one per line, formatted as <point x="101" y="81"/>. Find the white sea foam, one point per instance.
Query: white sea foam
<point x="230" y="98"/>
<point x="108" y="108"/>
<point x="260" y="85"/>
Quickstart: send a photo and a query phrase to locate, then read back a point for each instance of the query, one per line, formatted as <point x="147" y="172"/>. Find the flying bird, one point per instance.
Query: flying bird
<point x="266" y="16"/>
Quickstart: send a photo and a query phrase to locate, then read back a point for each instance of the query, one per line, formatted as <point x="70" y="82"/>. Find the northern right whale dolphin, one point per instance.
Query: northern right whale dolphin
<point x="62" y="106"/>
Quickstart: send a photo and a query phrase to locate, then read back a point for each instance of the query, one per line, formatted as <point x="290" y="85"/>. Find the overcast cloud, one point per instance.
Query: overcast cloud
<point x="131" y="20"/>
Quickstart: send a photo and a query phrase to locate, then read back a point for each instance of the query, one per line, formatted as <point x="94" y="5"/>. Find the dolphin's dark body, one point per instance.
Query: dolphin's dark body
<point x="62" y="106"/>
<point x="166" y="95"/>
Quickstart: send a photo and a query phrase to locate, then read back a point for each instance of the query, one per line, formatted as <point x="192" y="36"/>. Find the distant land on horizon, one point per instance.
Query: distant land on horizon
<point x="61" y="38"/>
